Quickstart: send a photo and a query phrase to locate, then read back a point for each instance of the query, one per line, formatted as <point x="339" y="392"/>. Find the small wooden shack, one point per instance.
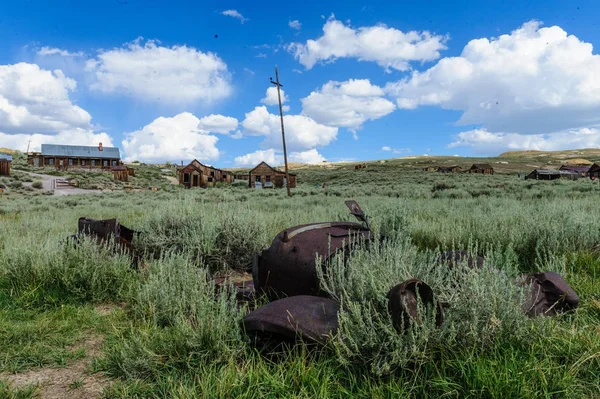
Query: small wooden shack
<point x="196" y="174"/>
<point x="594" y="171"/>
<point x="483" y="168"/>
<point x="5" y="162"/>
<point x="581" y="170"/>
<point x="430" y="168"/>
<point x="120" y="173"/>
<point x="75" y="157"/>
<point x="552" y="174"/>
<point x="265" y="176"/>
<point x="449" y="169"/>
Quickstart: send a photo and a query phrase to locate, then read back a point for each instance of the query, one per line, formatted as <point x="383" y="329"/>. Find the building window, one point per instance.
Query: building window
<point x="114" y="163"/>
<point x="51" y="161"/>
<point x="268" y="179"/>
<point x="212" y="174"/>
<point x="70" y="161"/>
<point x="105" y="163"/>
<point x="210" y="179"/>
<point x="93" y="162"/>
<point x="186" y="177"/>
<point x="83" y="162"/>
<point x="258" y="179"/>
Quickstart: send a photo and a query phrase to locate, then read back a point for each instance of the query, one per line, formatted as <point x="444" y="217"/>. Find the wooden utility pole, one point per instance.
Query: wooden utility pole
<point x="287" y="174"/>
<point x="28" y="147"/>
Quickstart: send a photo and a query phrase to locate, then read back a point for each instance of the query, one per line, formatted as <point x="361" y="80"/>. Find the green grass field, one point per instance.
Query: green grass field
<point x="163" y="333"/>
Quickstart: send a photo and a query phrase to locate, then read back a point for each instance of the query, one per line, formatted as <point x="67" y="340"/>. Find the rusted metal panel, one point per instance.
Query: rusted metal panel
<point x="403" y="304"/>
<point x="550" y="294"/>
<point x="288" y="266"/>
<point x="109" y="229"/>
<point x="307" y="318"/>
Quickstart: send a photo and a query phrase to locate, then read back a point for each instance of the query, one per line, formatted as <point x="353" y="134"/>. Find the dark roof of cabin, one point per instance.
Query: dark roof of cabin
<point x="481" y="166"/>
<point x="269" y="166"/>
<point x="576" y="168"/>
<point x="79" y="151"/>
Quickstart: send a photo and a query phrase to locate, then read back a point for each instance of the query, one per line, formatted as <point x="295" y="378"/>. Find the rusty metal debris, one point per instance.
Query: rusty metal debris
<point x="241" y="283"/>
<point x="550" y="294"/>
<point x="452" y="258"/>
<point x="288" y="267"/>
<point x="403" y="304"/>
<point x="106" y="230"/>
<point x="307" y="318"/>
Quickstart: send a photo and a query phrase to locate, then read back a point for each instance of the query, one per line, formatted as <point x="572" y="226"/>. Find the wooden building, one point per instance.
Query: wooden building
<point x="265" y="176"/>
<point x="196" y="174"/>
<point x="75" y="157"/>
<point x="430" y="168"/>
<point x="484" y="168"/>
<point x="594" y="171"/>
<point x="5" y="162"/>
<point x="581" y="170"/>
<point x="449" y="169"/>
<point x="552" y="174"/>
<point x="120" y="172"/>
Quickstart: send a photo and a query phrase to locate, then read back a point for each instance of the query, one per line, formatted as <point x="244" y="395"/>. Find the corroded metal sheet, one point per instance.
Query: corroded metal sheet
<point x="550" y="294"/>
<point x="403" y="302"/>
<point x="307" y="318"/>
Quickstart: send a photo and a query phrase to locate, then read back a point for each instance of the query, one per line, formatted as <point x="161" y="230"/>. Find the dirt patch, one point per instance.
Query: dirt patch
<point x="73" y="381"/>
<point x="105" y="309"/>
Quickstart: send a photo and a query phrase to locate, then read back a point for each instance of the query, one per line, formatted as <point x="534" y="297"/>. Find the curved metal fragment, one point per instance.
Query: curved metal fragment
<point x="288" y="267"/>
<point x="550" y="294"/>
<point x="307" y="318"/>
<point x="403" y="304"/>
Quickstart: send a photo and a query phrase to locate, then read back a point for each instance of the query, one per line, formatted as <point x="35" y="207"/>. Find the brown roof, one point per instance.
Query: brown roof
<point x="481" y="166"/>
<point x="267" y="165"/>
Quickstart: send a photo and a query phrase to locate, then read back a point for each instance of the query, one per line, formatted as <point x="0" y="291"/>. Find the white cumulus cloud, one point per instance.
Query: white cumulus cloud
<point x="534" y="80"/>
<point x="347" y="104"/>
<point x="49" y="51"/>
<point x="172" y="139"/>
<point x="153" y="73"/>
<point x="35" y="106"/>
<point x="301" y="132"/>
<point x="388" y="47"/>
<point x="275" y="158"/>
<point x="386" y="148"/>
<point x="235" y="14"/>
<point x="271" y="97"/>
<point x="295" y="24"/>
<point x="217" y="124"/>
<point x="483" y="142"/>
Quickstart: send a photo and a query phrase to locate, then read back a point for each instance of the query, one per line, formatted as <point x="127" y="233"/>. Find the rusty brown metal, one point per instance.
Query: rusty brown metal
<point x="550" y="294"/>
<point x="307" y="318"/>
<point x="452" y="258"/>
<point x="109" y="229"/>
<point x="403" y="304"/>
<point x="241" y="283"/>
<point x="288" y="267"/>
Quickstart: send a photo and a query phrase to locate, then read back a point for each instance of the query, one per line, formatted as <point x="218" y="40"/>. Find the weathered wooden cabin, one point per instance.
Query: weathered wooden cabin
<point x="430" y="168"/>
<point x="594" y="171"/>
<point x="5" y="162"/>
<point x="581" y="170"/>
<point x="484" y="168"/>
<point x="552" y="174"/>
<point x="265" y="176"/>
<point x="449" y="169"/>
<point x="75" y="157"/>
<point x="120" y="172"/>
<point x="196" y="174"/>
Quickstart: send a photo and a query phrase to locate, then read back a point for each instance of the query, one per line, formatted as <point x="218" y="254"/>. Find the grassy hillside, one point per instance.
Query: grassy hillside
<point x="163" y="333"/>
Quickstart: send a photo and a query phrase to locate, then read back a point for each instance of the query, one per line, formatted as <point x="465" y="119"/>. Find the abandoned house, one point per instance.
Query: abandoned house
<point x="552" y="174"/>
<point x="449" y="169"/>
<point x="265" y="176"/>
<point x="430" y="169"/>
<point x="5" y="161"/>
<point x="122" y="172"/>
<point x="75" y="156"/>
<point x="594" y="171"/>
<point x="484" y="168"/>
<point x="196" y="174"/>
<point x="581" y="170"/>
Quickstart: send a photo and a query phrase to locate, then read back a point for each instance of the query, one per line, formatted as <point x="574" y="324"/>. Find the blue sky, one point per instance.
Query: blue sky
<point x="172" y="81"/>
